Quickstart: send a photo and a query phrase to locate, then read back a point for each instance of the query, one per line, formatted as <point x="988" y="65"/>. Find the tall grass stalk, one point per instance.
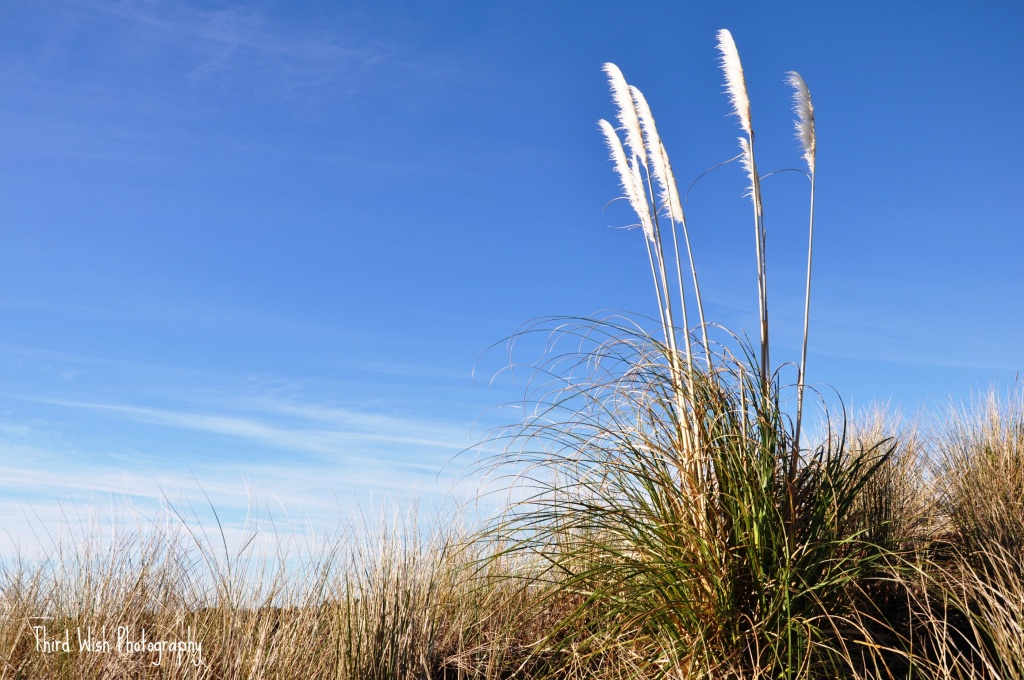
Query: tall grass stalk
<point x="805" y="132"/>
<point x="804" y="109"/>
<point x="639" y="128"/>
<point x="736" y="86"/>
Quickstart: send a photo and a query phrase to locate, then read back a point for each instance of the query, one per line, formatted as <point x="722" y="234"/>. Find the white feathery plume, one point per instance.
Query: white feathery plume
<point x="804" y="110"/>
<point x="736" y="85"/>
<point x="660" y="167"/>
<point x="676" y="205"/>
<point x="627" y="113"/>
<point x="628" y="176"/>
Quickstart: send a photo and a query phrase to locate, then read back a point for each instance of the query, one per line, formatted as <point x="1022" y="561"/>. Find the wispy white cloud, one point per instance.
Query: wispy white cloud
<point x="351" y="428"/>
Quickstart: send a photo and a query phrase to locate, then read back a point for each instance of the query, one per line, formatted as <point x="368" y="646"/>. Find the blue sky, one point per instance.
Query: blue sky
<point x="258" y="248"/>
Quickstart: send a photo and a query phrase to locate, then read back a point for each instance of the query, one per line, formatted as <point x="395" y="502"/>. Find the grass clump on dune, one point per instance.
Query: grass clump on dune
<point x="677" y="574"/>
<point x="976" y="576"/>
<point x="982" y="475"/>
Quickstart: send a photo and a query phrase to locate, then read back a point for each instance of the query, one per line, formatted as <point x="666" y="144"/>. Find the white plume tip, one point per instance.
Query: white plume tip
<point x="629" y="178"/>
<point x="735" y="84"/>
<point x="804" y="110"/>
<point x="628" y="121"/>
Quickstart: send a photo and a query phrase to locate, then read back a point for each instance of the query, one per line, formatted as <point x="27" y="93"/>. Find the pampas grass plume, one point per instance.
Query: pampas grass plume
<point x="627" y="113"/>
<point x="804" y="110"/>
<point x="735" y="84"/>
<point x="659" y="158"/>
<point x="632" y="184"/>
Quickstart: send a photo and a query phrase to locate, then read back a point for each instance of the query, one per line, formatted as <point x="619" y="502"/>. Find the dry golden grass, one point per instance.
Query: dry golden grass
<point x="400" y="601"/>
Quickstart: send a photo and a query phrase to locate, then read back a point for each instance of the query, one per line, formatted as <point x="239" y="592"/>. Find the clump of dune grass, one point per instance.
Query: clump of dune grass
<point x="981" y="474"/>
<point x="968" y="599"/>
<point x="991" y="592"/>
<point x="954" y="592"/>
<point x="668" y="585"/>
